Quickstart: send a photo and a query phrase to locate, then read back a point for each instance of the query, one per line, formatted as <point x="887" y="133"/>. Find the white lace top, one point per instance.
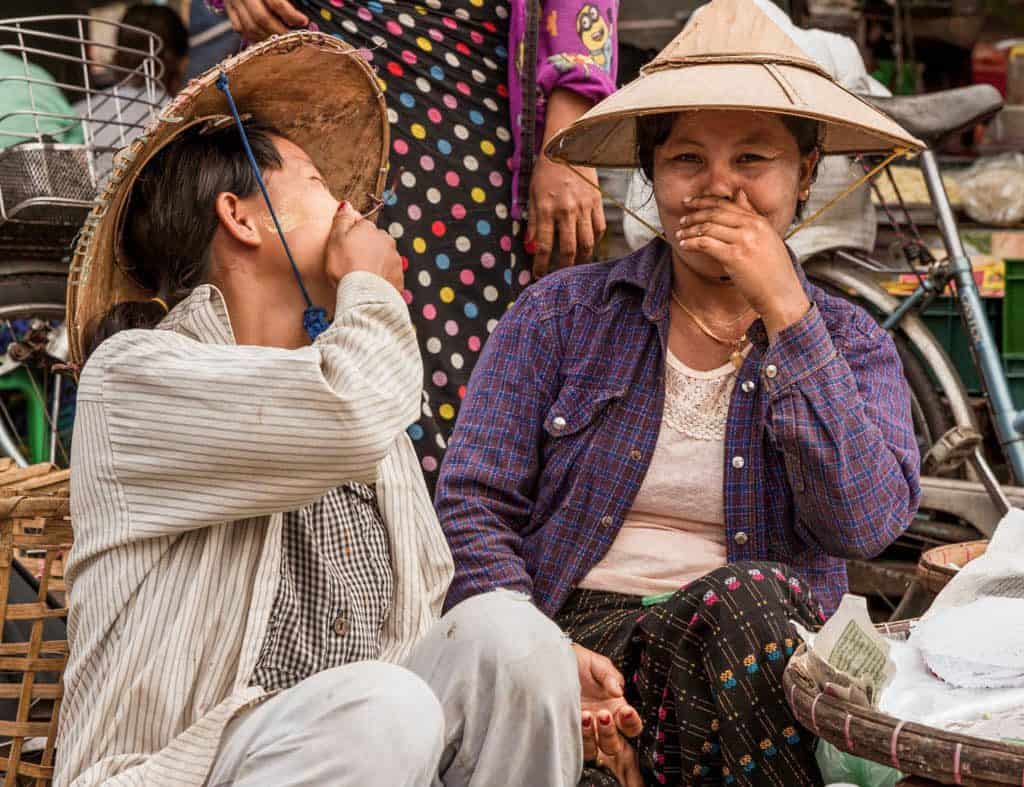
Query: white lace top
<point x="675" y="531"/>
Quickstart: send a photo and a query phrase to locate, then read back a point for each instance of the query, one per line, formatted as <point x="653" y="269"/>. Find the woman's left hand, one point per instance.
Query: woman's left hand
<point x="559" y="197"/>
<point x="753" y="254"/>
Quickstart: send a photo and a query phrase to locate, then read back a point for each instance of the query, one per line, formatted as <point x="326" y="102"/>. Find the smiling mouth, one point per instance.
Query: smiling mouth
<point x="597" y="35"/>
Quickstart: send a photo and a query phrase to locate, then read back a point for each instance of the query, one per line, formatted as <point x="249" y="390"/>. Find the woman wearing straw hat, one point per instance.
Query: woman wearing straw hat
<point x="455" y="73"/>
<point x="675" y="452"/>
<point x="257" y="571"/>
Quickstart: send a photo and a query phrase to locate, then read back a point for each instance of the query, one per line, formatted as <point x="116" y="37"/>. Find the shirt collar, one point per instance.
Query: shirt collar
<point x="649" y="269"/>
<point x="202" y="316"/>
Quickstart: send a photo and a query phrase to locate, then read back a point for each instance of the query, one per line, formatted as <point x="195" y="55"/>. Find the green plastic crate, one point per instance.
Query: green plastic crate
<point x="943" y="320"/>
<point x="1013" y="310"/>
<point x="1014" y="367"/>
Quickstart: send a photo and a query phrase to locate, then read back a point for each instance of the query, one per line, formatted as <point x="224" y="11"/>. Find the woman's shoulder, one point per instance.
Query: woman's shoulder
<point x="130" y="351"/>
<point x="587" y="285"/>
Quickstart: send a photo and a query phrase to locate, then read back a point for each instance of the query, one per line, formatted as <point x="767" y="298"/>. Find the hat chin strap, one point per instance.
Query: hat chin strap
<point x="314" y="318"/>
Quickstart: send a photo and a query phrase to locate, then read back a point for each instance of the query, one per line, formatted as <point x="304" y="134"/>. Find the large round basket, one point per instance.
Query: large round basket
<point x="945" y="757"/>
<point x="939" y="565"/>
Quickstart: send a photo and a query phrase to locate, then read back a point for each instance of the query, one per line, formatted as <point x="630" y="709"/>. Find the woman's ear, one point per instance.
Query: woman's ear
<point x="238" y="218"/>
<point x="809" y="171"/>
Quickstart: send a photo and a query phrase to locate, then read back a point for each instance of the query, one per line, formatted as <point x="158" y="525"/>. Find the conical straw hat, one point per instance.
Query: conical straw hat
<point x="731" y="56"/>
<point x="343" y="130"/>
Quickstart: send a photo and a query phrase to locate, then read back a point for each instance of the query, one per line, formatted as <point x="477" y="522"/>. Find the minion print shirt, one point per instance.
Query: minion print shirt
<point x="576" y="49"/>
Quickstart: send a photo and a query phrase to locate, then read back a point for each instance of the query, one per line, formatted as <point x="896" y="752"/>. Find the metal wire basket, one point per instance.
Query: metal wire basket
<point x="56" y="152"/>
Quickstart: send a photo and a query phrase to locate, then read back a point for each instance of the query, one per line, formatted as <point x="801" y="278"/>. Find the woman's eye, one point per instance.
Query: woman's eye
<point x="688" y="158"/>
<point x="748" y="158"/>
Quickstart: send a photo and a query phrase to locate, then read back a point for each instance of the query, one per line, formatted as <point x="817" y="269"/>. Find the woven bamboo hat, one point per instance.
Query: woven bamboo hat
<point x="731" y="56"/>
<point x="344" y="131"/>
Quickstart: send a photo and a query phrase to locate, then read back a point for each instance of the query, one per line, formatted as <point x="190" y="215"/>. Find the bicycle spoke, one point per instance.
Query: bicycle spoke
<point x="50" y="418"/>
<point x="41" y="392"/>
<point x="12" y="430"/>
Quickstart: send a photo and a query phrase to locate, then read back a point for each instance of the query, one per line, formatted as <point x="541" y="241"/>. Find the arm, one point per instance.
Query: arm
<point x="843" y="422"/>
<point x="241" y="432"/>
<point x="255" y="20"/>
<point x="486" y="490"/>
<point x="576" y="68"/>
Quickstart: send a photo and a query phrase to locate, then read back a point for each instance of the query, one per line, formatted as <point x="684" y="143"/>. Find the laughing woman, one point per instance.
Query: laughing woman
<point x="674" y="453"/>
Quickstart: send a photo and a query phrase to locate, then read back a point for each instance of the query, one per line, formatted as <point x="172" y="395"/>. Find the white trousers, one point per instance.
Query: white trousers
<point x="489" y="698"/>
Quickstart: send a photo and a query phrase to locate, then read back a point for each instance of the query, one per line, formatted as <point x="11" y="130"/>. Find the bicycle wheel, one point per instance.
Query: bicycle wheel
<point x="36" y="404"/>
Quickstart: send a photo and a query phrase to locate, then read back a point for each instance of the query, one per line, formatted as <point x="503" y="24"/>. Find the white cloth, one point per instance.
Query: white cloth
<point x="971" y="636"/>
<point x="851" y="223"/>
<point x="470" y="710"/>
<point x="675" y="530"/>
<point x="187" y="449"/>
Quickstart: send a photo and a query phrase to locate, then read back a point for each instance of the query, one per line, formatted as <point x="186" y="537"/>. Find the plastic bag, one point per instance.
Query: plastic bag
<point x="992" y="190"/>
<point x="838" y="766"/>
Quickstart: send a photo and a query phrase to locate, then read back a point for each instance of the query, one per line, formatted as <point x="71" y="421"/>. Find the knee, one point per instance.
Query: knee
<point x="405" y="705"/>
<point x="515" y="644"/>
<point x="395" y="699"/>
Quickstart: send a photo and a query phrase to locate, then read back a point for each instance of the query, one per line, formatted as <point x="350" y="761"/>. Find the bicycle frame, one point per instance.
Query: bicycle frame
<point x="1007" y="421"/>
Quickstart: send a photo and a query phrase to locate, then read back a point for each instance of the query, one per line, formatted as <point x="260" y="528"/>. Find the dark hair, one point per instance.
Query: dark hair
<point x="162" y="22"/>
<point x="654" y="130"/>
<point x="170" y="218"/>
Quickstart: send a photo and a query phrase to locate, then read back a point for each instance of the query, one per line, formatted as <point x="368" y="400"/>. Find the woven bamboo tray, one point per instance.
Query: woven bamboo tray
<point x="36" y="480"/>
<point x="39" y="525"/>
<point x="945" y="757"/>
<point x="934" y="570"/>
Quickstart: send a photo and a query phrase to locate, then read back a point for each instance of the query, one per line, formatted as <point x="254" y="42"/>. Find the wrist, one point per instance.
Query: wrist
<point x="784" y="313"/>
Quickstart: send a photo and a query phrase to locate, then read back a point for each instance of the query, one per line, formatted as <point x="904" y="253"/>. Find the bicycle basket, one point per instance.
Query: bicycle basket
<point x="58" y="134"/>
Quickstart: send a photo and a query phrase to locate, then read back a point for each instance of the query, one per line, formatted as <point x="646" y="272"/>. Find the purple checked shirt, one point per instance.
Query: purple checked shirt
<point x="563" y="411"/>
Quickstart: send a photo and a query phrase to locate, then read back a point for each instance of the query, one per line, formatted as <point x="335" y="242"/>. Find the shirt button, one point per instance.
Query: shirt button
<point x="748" y="386"/>
<point x="340" y="624"/>
<point x="606" y="521"/>
<point x="771" y="371"/>
<point x="737" y="462"/>
<point x="558" y="424"/>
<point x="635" y="454"/>
<point x="740" y="538"/>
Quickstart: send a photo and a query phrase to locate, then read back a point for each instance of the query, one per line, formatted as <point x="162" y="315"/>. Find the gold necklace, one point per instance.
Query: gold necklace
<point x="737" y="345"/>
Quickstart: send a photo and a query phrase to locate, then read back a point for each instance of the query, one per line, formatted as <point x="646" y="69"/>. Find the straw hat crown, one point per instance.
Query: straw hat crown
<point x="731" y="56"/>
<point x="734" y="30"/>
<point x="344" y="131"/>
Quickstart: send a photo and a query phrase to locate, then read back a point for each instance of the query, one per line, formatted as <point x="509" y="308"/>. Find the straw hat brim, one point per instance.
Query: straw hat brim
<point x="343" y="128"/>
<point x="606" y="135"/>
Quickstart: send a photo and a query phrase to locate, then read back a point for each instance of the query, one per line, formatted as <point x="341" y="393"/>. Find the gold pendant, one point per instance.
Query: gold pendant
<point x="736" y="358"/>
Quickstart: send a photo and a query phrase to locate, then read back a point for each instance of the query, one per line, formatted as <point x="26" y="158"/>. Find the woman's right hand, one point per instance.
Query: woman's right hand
<point x="255" y="20"/>
<point x="356" y="244"/>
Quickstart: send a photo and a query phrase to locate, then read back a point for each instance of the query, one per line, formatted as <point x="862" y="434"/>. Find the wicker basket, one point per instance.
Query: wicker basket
<point x="935" y="568"/>
<point x="34" y="523"/>
<point x="945" y="757"/>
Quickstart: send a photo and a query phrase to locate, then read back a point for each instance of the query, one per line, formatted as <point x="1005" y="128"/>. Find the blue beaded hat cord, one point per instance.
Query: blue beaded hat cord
<point x="314" y="318"/>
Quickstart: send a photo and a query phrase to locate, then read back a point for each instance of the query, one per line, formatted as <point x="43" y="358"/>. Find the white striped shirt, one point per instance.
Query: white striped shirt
<point x="187" y="449"/>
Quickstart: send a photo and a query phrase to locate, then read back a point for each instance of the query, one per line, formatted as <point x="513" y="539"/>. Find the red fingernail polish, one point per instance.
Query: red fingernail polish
<point x="604" y="718"/>
<point x="341" y="206"/>
<point x="530" y="246"/>
<point x="587" y="722"/>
